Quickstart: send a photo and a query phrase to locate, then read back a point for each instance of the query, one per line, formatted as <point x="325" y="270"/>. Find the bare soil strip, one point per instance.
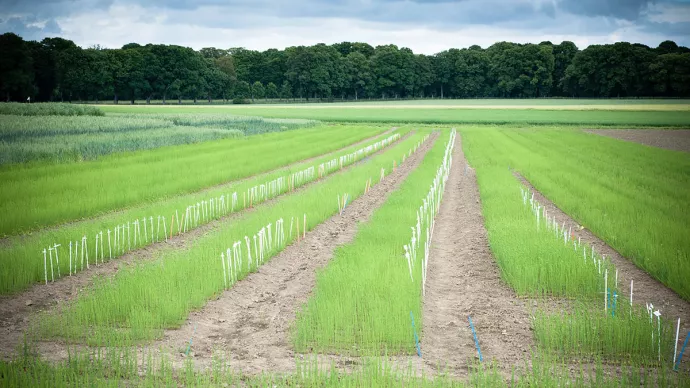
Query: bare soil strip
<point x="18" y="237"/>
<point x="17" y="310"/>
<point x="464" y="280"/>
<point x="249" y="324"/>
<point x="646" y="289"/>
<point x="670" y="139"/>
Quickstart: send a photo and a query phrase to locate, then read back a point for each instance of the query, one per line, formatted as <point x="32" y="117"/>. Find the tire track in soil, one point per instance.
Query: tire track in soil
<point x="646" y="289"/>
<point x="6" y="239"/>
<point x="464" y="280"/>
<point x="18" y="310"/>
<point x="250" y="322"/>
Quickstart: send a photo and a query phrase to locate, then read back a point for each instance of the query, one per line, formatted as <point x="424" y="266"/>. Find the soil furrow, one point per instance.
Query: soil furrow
<point x="646" y="289"/>
<point x="670" y="139"/>
<point x="17" y="310"/>
<point x="464" y="281"/>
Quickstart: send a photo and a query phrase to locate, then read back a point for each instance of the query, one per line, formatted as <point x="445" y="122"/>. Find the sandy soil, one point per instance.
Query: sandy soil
<point x="646" y="289"/>
<point x="17" y="310"/>
<point x="249" y="324"/>
<point x="464" y="281"/>
<point x="670" y="139"/>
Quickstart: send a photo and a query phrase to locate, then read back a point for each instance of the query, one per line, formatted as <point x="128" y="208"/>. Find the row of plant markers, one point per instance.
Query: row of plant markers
<point x="141" y="232"/>
<point x="610" y="295"/>
<point x="269" y="240"/>
<point x="431" y="205"/>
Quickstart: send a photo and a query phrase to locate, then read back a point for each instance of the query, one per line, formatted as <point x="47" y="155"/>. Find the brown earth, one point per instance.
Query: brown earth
<point x="464" y="281"/>
<point x="646" y="289"/>
<point x="249" y="324"/>
<point x="17" y="310"/>
<point x="670" y="139"/>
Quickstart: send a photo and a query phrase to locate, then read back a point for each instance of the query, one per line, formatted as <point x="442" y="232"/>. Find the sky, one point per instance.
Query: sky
<point x="425" y="26"/>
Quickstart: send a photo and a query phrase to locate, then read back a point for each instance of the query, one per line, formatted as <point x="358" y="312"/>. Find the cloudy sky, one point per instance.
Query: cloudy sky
<point x="426" y="26"/>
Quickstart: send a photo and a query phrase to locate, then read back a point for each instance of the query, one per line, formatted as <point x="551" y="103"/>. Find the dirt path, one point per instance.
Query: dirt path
<point x="464" y="280"/>
<point x="17" y="310"/>
<point x="249" y="325"/>
<point x="646" y="289"/>
<point x="670" y="139"/>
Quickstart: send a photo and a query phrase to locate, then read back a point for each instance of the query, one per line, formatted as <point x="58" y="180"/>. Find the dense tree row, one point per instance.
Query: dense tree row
<point x="57" y="69"/>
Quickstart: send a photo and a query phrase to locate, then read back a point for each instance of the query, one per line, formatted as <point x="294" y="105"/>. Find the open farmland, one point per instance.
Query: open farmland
<point x="347" y="245"/>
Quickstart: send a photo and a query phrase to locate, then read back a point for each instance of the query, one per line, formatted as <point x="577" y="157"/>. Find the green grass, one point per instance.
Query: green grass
<point x="327" y="112"/>
<point x="21" y="262"/>
<point x="48" y="109"/>
<point x="373" y="316"/>
<point x="635" y="198"/>
<point x="141" y="301"/>
<point x="75" y="138"/>
<point x="33" y="197"/>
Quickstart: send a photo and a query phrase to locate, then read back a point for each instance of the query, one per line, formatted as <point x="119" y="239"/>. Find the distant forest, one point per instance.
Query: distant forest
<point x="56" y="69"/>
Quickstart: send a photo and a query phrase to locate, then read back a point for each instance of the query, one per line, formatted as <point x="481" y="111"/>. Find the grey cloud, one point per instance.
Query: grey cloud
<point x="24" y="27"/>
<point x="620" y="9"/>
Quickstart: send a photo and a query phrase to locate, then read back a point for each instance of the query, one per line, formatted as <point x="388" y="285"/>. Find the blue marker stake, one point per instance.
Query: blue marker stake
<point x="682" y="350"/>
<point x="190" y="341"/>
<point x="476" y="341"/>
<point x="416" y="338"/>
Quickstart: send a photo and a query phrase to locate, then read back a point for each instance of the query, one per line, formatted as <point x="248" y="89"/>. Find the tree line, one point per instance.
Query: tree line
<point x="56" y="69"/>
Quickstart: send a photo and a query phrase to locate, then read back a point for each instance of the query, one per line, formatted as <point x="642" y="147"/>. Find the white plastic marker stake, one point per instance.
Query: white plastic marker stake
<point x="249" y="249"/>
<point x="658" y="321"/>
<point x="225" y="275"/>
<point x="97" y="247"/>
<point x="57" y="259"/>
<point x="129" y="238"/>
<point x="179" y="225"/>
<point x="45" y="266"/>
<point x="616" y="279"/>
<point x="256" y="254"/>
<point x="631" y="293"/>
<point x="102" y="251"/>
<point x="151" y="224"/>
<point x="110" y="248"/>
<point x="70" y="258"/>
<point x="146" y="235"/>
<point x="165" y="229"/>
<point x="117" y="232"/>
<point x="86" y="249"/>
<point x="82" y="254"/>
<point x="606" y="290"/>
<point x="304" y="229"/>
<point x="50" y="255"/>
<point x="675" y="347"/>
<point x="158" y="229"/>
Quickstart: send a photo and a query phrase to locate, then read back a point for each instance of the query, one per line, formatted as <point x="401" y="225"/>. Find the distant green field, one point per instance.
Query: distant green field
<point x="395" y="113"/>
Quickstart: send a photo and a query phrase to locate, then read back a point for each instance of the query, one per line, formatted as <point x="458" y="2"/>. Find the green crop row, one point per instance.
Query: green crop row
<point x="538" y="257"/>
<point x="33" y="197"/>
<point x="143" y="300"/>
<point x="22" y="264"/>
<point x="635" y="198"/>
<point x="48" y="109"/>
<point x="382" y="270"/>
<point x="48" y="139"/>
<point x="420" y="114"/>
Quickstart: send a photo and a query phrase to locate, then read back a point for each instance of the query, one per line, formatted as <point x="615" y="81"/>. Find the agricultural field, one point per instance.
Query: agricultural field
<point x="414" y="243"/>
